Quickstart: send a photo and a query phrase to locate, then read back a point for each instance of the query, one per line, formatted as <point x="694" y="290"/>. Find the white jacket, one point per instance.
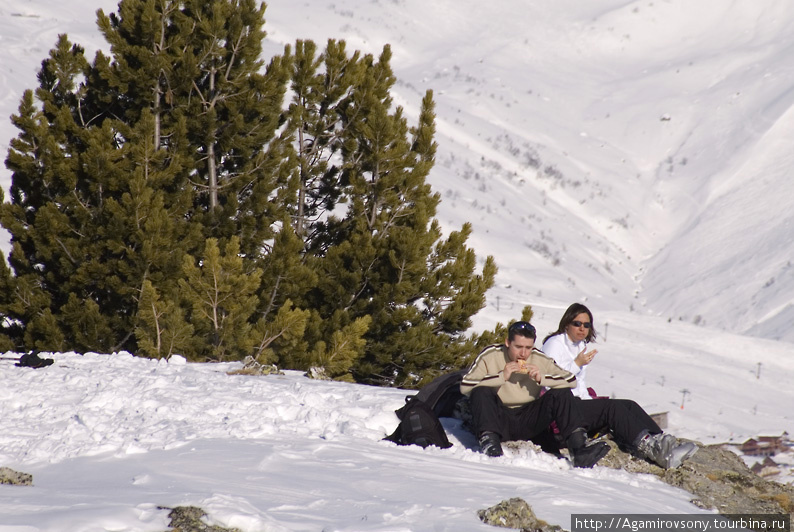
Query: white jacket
<point x="564" y="352"/>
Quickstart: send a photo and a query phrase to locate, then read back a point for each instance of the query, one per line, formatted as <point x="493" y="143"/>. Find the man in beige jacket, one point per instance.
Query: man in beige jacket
<point x="504" y="387"/>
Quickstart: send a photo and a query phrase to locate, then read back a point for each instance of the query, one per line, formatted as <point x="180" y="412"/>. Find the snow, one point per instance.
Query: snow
<point x="112" y="439"/>
<point x="634" y="154"/>
<point x="631" y="155"/>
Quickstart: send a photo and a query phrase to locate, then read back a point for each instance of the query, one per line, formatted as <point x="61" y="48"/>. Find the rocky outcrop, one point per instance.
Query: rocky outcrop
<point x="516" y="513"/>
<point x="9" y="476"/>
<point x="252" y="367"/>
<point x="718" y="479"/>
<point x="189" y="519"/>
<point x="318" y="373"/>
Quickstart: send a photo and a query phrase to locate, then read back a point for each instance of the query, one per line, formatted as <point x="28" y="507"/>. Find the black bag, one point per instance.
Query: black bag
<point x="419" y="425"/>
<point x="441" y="394"/>
<point x="33" y="360"/>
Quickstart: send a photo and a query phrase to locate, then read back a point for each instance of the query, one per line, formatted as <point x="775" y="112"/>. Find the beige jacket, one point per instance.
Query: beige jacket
<point x="521" y="388"/>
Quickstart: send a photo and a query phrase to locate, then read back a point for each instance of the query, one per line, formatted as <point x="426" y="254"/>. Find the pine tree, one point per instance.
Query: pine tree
<point x="342" y="351"/>
<point x="222" y="291"/>
<point x="9" y="331"/>
<point x="110" y="177"/>
<point x="234" y="113"/>
<point x="282" y="332"/>
<point x="196" y="67"/>
<point x="282" y="322"/>
<point x="97" y="205"/>
<point x="161" y="329"/>
<point x="321" y="86"/>
<point x="383" y="259"/>
<point x="169" y="204"/>
<point x="52" y="207"/>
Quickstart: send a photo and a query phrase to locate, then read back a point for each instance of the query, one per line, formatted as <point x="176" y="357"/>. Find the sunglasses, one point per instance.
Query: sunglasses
<point x="523" y="326"/>
<point x="585" y="324"/>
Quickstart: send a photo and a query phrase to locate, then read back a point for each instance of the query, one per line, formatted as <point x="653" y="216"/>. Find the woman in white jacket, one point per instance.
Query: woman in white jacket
<point x="622" y="417"/>
<point x="568" y="345"/>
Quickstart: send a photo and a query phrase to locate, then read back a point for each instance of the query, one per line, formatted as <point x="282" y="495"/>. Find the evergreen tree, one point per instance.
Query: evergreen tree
<point x="234" y="113"/>
<point x="9" y="330"/>
<point x="283" y="332"/>
<point x="281" y="323"/>
<point x="110" y="177"/>
<point x="222" y="292"/>
<point x="318" y="117"/>
<point x="383" y="259"/>
<point x="52" y="208"/>
<point x="168" y="203"/>
<point x="196" y="67"/>
<point x="342" y="351"/>
<point x="88" y="217"/>
<point x="161" y="329"/>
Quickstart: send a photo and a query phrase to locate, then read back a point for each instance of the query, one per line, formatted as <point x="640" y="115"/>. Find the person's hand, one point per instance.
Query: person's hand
<point x="533" y="371"/>
<point x="510" y="368"/>
<point x="517" y="367"/>
<point x="584" y="358"/>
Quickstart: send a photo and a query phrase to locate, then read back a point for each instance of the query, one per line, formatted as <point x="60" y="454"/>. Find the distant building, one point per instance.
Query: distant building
<point x="765" y="445"/>
<point x="766" y="468"/>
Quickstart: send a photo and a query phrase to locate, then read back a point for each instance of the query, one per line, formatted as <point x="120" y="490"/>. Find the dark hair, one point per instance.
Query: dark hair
<point x="570" y="314"/>
<point x="521" y="328"/>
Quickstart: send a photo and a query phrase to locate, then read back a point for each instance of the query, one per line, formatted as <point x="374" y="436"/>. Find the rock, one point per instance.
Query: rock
<point x="188" y="519"/>
<point x="617" y="459"/>
<point x="9" y="476"/>
<point x="718" y="479"/>
<point x="252" y="367"/>
<point x="722" y="481"/>
<point x="516" y="513"/>
<point x="318" y="373"/>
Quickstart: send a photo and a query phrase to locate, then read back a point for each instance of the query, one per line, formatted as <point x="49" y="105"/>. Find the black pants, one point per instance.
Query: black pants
<point x="624" y="418"/>
<point x="529" y="420"/>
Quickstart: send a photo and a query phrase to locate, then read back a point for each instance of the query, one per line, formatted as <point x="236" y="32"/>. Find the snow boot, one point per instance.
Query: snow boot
<point x="491" y="444"/>
<point x="582" y="454"/>
<point x="663" y="449"/>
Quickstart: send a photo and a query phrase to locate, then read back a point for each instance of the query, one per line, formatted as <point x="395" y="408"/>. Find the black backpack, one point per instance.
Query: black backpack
<point x="419" y="423"/>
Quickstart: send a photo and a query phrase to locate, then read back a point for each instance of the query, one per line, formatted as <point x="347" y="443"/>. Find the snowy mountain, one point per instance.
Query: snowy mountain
<point x="636" y="154"/>
<point x="630" y="155"/>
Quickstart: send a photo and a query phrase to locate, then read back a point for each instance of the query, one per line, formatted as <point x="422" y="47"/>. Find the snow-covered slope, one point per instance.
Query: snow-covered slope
<point x="111" y="440"/>
<point x="633" y="154"/>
